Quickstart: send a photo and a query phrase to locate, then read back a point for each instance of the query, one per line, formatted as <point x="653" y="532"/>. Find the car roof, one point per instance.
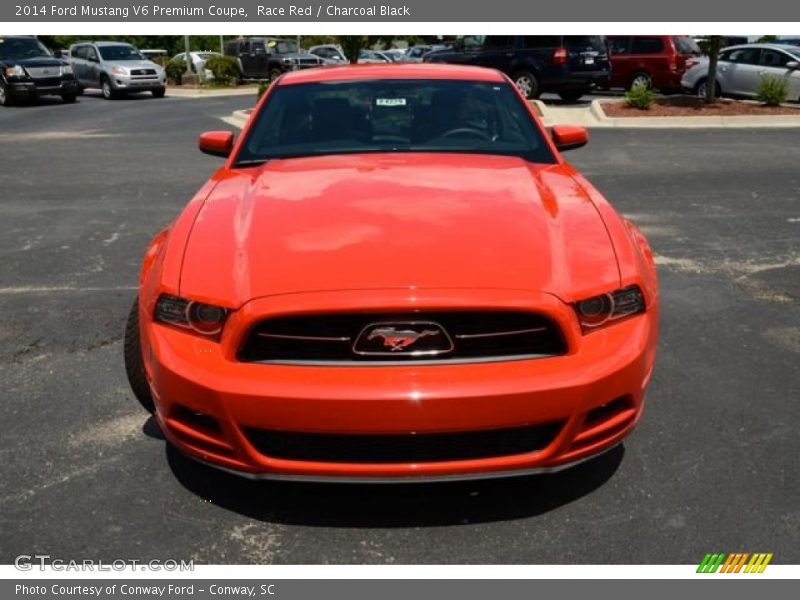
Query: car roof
<point x="392" y="71"/>
<point x="777" y="44"/>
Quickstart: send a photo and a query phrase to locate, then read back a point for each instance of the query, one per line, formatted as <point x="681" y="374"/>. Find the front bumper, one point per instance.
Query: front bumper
<point x="33" y="89"/>
<point x="207" y="402"/>
<point x="132" y="84"/>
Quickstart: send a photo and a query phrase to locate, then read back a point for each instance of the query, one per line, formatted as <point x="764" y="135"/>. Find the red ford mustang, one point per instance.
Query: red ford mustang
<point x="395" y="276"/>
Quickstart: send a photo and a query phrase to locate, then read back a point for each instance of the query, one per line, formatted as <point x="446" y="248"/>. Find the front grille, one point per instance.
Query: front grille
<point x="310" y="62"/>
<point x="143" y="72"/>
<point x="44" y="72"/>
<point x="402" y="448"/>
<point x="475" y="336"/>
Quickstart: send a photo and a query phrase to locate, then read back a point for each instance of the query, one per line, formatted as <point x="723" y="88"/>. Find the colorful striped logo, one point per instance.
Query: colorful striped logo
<point x="734" y="563"/>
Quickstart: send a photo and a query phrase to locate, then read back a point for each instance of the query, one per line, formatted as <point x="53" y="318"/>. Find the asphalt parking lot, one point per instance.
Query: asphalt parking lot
<point x="85" y="474"/>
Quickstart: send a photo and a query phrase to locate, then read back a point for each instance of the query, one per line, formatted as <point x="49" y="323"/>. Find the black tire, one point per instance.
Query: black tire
<point x="571" y="95"/>
<point x="159" y="92"/>
<point x="109" y="93"/>
<point x="79" y="90"/>
<point x="640" y="78"/>
<point x="527" y="83"/>
<point x="134" y="366"/>
<point x="6" y="99"/>
<point x="274" y="74"/>
<point x="69" y="98"/>
<point x="699" y="89"/>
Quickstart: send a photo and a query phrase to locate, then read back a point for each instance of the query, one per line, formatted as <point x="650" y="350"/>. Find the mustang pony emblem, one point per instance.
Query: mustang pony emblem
<point x="399" y="339"/>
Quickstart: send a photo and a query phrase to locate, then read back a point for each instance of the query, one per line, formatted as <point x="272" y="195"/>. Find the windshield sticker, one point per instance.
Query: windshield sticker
<point x="390" y="101"/>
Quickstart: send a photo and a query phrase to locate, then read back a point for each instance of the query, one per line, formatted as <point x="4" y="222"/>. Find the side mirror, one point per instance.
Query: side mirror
<point x="216" y="143"/>
<point x="569" y="137"/>
<point x="792" y="64"/>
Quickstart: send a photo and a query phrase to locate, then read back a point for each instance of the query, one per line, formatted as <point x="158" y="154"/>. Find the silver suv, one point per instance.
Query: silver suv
<point x="116" y="68"/>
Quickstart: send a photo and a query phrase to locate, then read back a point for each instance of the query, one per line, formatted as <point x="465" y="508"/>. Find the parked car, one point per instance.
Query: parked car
<point x="153" y="53"/>
<point x="330" y="53"/>
<point x="417" y="53"/>
<point x="29" y="70"/>
<point x="740" y="69"/>
<point x="569" y="65"/>
<point x="396" y="54"/>
<point x="116" y="69"/>
<point x="269" y="58"/>
<point x="197" y="62"/>
<point x="394" y="275"/>
<point x="366" y="57"/>
<point x="788" y="41"/>
<point x="655" y="61"/>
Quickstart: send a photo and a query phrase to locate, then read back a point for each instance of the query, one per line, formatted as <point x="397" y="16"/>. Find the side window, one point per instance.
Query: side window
<point x="76" y="52"/>
<point x="244" y="48"/>
<point x="647" y="45"/>
<point x="745" y="56"/>
<point x="773" y="58"/>
<point x="725" y="56"/>
<point x="619" y="45"/>
<point x="91" y="53"/>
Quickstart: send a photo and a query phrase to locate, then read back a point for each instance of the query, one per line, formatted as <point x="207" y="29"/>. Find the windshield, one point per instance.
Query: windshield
<point x="686" y="45"/>
<point x="115" y="53"/>
<point x="20" y="48"/>
<point x="388" y="115"/>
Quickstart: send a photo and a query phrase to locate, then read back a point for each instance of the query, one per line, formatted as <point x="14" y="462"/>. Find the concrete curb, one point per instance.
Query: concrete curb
<point x="177" y="92"/>
<point x="594" y="116"/>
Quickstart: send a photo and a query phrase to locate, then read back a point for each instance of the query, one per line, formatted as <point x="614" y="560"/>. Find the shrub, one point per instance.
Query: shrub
<point x="262" y="88"/>
<point x="175" y="70"/>
<point x="772" y="90"/>
<point x="224" y="68"/>
<point x="640" y="96"/>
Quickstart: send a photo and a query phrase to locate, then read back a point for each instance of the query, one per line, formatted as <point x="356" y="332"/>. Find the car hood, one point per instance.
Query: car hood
<point x="380" y="221"/>
<point x="38" y="61"/>
<point x="134" y="64"/>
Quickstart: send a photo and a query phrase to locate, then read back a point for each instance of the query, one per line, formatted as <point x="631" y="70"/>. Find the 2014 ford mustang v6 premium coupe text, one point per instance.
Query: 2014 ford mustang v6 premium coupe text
<point x="395" y="276"/>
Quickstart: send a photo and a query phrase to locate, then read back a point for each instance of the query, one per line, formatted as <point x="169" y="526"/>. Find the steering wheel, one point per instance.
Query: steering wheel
<point x="473" y="131"/>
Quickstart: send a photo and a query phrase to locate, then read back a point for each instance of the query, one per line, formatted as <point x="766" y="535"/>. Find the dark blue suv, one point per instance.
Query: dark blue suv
<point x="569" y="65"/>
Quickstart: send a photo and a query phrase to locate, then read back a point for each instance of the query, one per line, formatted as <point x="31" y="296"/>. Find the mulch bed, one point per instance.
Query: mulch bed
<point x="690" y="106"/>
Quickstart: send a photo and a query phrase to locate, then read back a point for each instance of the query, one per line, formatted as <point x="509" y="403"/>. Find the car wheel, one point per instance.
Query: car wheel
<point x="159" y="92"/>
<point x="571" y="95"/>
<point x="79" y="90"/>
<point x="640" y="78"/>
<point x="6" y="99"/>
<point x="700" y="89"/>
<point x="134" y="366"/>
<point x="527" y="84"/>
<point x="69" y="98"/>
<point x="274" y="74"/>
<point x="108" y="90"/>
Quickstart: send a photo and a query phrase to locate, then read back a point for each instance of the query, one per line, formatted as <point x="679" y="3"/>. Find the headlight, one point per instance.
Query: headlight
<point x="66" y="70"/>
<point x="287" y="61"/>
<point x="207" y="319"/>
<point x="600" y="310"/>
<point x="119" y="70"/>
<point x="16" y="71"/>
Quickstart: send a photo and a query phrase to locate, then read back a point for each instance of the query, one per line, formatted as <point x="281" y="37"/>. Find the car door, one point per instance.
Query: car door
<point x="773" y="62"/>
<point x="740" y="74"/>
<point x="93" y="67"/>
<point x="77" y="58"/>
<point x="620" y="48"/>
